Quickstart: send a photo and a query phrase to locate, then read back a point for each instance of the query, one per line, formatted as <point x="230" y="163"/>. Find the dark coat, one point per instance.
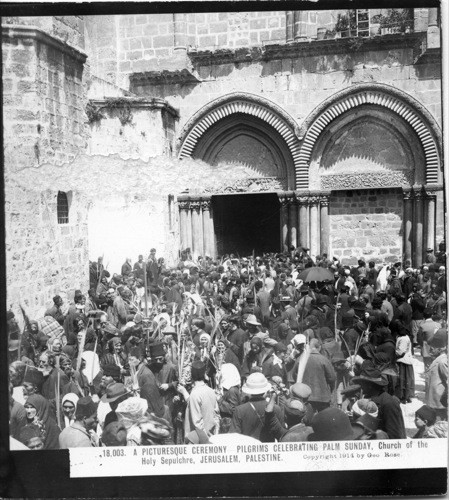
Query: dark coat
<point x="320" y="376"/>
<point x="250" y="421"/>
<point x="390" y="415"/>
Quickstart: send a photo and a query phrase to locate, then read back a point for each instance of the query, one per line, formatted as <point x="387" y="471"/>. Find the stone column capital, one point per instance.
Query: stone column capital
<point x="195" y="205"/>
<point x="184" y="204"/>
<point x="407" y="194"/>
<point x="205" y="204"/>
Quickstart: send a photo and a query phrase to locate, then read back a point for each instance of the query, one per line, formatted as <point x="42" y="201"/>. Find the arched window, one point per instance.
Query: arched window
<point x="63" y="208"/>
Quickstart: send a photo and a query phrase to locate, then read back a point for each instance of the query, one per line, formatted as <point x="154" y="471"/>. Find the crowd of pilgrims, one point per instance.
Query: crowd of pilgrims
<point x="259" y="349"/>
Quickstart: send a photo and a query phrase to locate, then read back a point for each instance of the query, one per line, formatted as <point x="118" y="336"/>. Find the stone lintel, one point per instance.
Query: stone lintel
<point x="164" y="77"/>
<point x="295" y="50"/>
<point x="34" y="33"/>
<point x="136" y="103"/>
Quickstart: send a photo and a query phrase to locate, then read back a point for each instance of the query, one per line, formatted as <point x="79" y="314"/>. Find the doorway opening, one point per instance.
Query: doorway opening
<point x="246" y="222"/>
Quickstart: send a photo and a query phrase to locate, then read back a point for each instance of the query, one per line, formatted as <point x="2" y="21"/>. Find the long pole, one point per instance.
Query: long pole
<point x="145" y="286"/>
<point x="58" y="393"/>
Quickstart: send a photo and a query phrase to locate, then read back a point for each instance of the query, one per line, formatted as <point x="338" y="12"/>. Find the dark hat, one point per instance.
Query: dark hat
<point x="157" y="350"/>
<point x="10" y="315"/>
<point x="198" y="370"/>
<point x="304" y="289"/>
<point x="111" y="370"/>
<point x="331" y="424"/>
<point x="33" y="376"/>
<point x="56" y="298"/>
<point x="429" y="250"/>
<point x="372" y="375"/>
<point x="114" y="392"/>
<point x="85" y="408"/>
<point x="426" y="413"/>
<point x="136" y="352"/>
<point x="439" y="339"/>
<point x="114" y="434"/>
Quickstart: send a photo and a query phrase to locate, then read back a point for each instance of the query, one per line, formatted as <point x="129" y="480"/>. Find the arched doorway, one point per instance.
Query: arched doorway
<point x="245" y="215"/>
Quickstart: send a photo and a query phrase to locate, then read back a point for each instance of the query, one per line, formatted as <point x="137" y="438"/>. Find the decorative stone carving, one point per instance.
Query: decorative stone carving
<point x="324" y="201"/>
<point x="205" y="204"/>
<point x="250" y="185"/>
<point x="184" y="205"/>
<point x="408" y="194"/>
<point x="367" y="180"/>
<point x="195" y="205"/>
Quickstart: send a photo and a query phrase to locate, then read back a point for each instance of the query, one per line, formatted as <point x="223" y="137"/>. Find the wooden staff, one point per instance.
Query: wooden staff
<point x="58" y="393"/>
<point x="145" y="287"/>
<point x="335" y="316"/>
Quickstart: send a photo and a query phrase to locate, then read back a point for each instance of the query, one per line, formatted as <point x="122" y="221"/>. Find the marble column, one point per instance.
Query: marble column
<point x="293" y="223"/>
<point x="189" y="236"/>
<point x="208" y="228"/>
<point x="303" y="236"/>
<point x="325" y="224"/>
<point x="284" y="222"/>
<point x="197" y="229"/>
<point x="184" y="209"/>
<point x="314" y="227"/>
<point x="430" y="204"/>
<point x="408" y="224"/>
<point x="289" y="20"/>
<point x="418" y="228"/>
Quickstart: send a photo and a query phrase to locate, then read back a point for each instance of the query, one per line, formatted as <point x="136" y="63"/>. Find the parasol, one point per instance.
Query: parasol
<point x="316" y="274"/>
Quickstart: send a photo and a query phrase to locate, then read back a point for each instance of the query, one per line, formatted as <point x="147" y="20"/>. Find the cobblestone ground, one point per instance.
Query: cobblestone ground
<point x="408" y="410"/>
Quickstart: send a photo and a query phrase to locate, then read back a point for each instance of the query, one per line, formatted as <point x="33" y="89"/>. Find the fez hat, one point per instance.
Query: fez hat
<point x="157" y="350"/>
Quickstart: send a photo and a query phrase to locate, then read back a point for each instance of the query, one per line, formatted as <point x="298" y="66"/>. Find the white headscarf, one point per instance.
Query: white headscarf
<point x="131" y="410"/>
<point x="230" y="376"/>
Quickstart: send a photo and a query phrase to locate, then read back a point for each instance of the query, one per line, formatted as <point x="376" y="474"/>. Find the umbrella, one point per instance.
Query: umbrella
<point x="316" y="274"/>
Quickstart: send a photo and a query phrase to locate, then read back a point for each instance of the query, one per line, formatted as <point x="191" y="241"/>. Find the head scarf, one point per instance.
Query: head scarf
<point x="131" y="410"/>
<point x="205" y="336"/>
<point x="72" y="397"/>
<point x="42" y="406"/>
<point x="230" y="376"/>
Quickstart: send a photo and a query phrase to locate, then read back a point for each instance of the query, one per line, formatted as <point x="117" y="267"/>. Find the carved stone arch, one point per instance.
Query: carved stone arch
<point x="397" y="101"/>
<point x="252" y="107"/>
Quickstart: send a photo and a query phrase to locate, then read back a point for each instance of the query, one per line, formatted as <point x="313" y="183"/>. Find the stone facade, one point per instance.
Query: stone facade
<point x="366" y="223"/>
<point x="44" y="121"/>
<point x="250" y="101"/>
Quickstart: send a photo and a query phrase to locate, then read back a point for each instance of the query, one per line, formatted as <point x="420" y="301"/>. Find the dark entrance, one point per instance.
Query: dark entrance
<point x="246" y="222"/>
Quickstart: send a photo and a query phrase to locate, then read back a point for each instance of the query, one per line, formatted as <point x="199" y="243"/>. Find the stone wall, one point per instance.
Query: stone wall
<point x="43" y="258"/>
<point x="366" y="224"/>
<point x="44" y="121"/>
<point x="132" y="129"/>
